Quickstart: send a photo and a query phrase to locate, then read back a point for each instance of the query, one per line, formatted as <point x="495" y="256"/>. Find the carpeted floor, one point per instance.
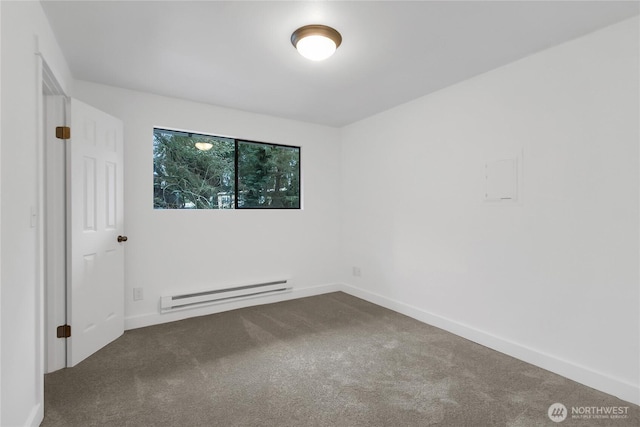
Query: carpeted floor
<point x="329" y="360"/>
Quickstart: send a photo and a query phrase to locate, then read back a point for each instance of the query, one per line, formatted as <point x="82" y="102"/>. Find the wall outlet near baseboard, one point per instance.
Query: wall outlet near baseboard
<point x="357" y="271"/>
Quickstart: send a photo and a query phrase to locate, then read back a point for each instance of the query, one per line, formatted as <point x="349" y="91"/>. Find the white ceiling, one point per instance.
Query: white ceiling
<point x="237" y="53"/>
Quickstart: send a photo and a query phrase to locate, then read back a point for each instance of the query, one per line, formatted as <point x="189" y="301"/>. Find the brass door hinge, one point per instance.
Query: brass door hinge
<point x="63" y="132"/>
<point x="64" y="331"/>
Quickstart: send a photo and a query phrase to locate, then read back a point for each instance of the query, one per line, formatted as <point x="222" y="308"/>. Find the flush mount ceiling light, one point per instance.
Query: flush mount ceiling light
<point x="316" y="42"/>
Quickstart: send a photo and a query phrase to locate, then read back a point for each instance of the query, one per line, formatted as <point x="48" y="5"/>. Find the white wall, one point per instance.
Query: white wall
<point x="552" y="279"/>
<point x="25" y="31"/>
<point x="174" y="250"/>
<point x="0" y="214"/>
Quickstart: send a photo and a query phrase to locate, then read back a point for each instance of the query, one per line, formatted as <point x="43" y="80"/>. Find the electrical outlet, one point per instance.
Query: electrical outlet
<point x="137" y="294"/>
<point x="33" y="218"/>
<point x="357" y="272"/>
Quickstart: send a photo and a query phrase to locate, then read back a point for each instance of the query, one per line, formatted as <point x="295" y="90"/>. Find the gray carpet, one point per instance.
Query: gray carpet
<point x="329" y="360"/>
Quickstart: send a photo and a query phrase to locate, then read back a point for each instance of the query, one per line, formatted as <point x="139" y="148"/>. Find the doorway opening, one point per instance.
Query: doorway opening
<point x="82" y="242"/>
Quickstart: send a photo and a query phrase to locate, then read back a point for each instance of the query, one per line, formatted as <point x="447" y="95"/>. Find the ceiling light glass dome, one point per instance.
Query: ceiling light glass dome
<point x="316" y="42"/>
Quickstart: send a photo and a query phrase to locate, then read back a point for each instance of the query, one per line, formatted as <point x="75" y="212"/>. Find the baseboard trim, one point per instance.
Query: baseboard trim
<point x="581" y="374"/>
<point x="36" y="416"/>
<point x="150" y="319"/>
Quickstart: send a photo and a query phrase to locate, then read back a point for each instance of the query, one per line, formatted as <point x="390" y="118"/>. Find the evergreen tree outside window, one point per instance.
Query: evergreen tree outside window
<point x="223" y="173"/>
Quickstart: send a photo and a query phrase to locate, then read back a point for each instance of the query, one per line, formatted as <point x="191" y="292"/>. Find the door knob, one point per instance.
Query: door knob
<point x="122" y="239"/>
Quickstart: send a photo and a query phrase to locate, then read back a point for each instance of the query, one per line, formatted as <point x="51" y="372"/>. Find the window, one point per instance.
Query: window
<point x="194" y="171"/>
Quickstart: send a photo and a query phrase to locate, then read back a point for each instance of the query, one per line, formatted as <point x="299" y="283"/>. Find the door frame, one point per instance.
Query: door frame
<point x="52" y="224"/>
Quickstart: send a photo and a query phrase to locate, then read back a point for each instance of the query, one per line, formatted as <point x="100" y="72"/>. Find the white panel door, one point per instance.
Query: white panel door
<point x="95" y="288"/>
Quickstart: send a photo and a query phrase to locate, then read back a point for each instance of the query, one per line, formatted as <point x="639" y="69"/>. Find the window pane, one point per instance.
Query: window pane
<point x="268" y="176"/>
<point x="192" y="171"/>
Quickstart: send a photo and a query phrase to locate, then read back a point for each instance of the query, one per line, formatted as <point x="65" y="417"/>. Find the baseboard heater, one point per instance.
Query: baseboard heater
<point x="217" y="296"/>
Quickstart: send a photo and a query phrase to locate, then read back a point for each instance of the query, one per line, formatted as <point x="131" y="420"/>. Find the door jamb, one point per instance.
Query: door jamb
<point x="52" y="262"/>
